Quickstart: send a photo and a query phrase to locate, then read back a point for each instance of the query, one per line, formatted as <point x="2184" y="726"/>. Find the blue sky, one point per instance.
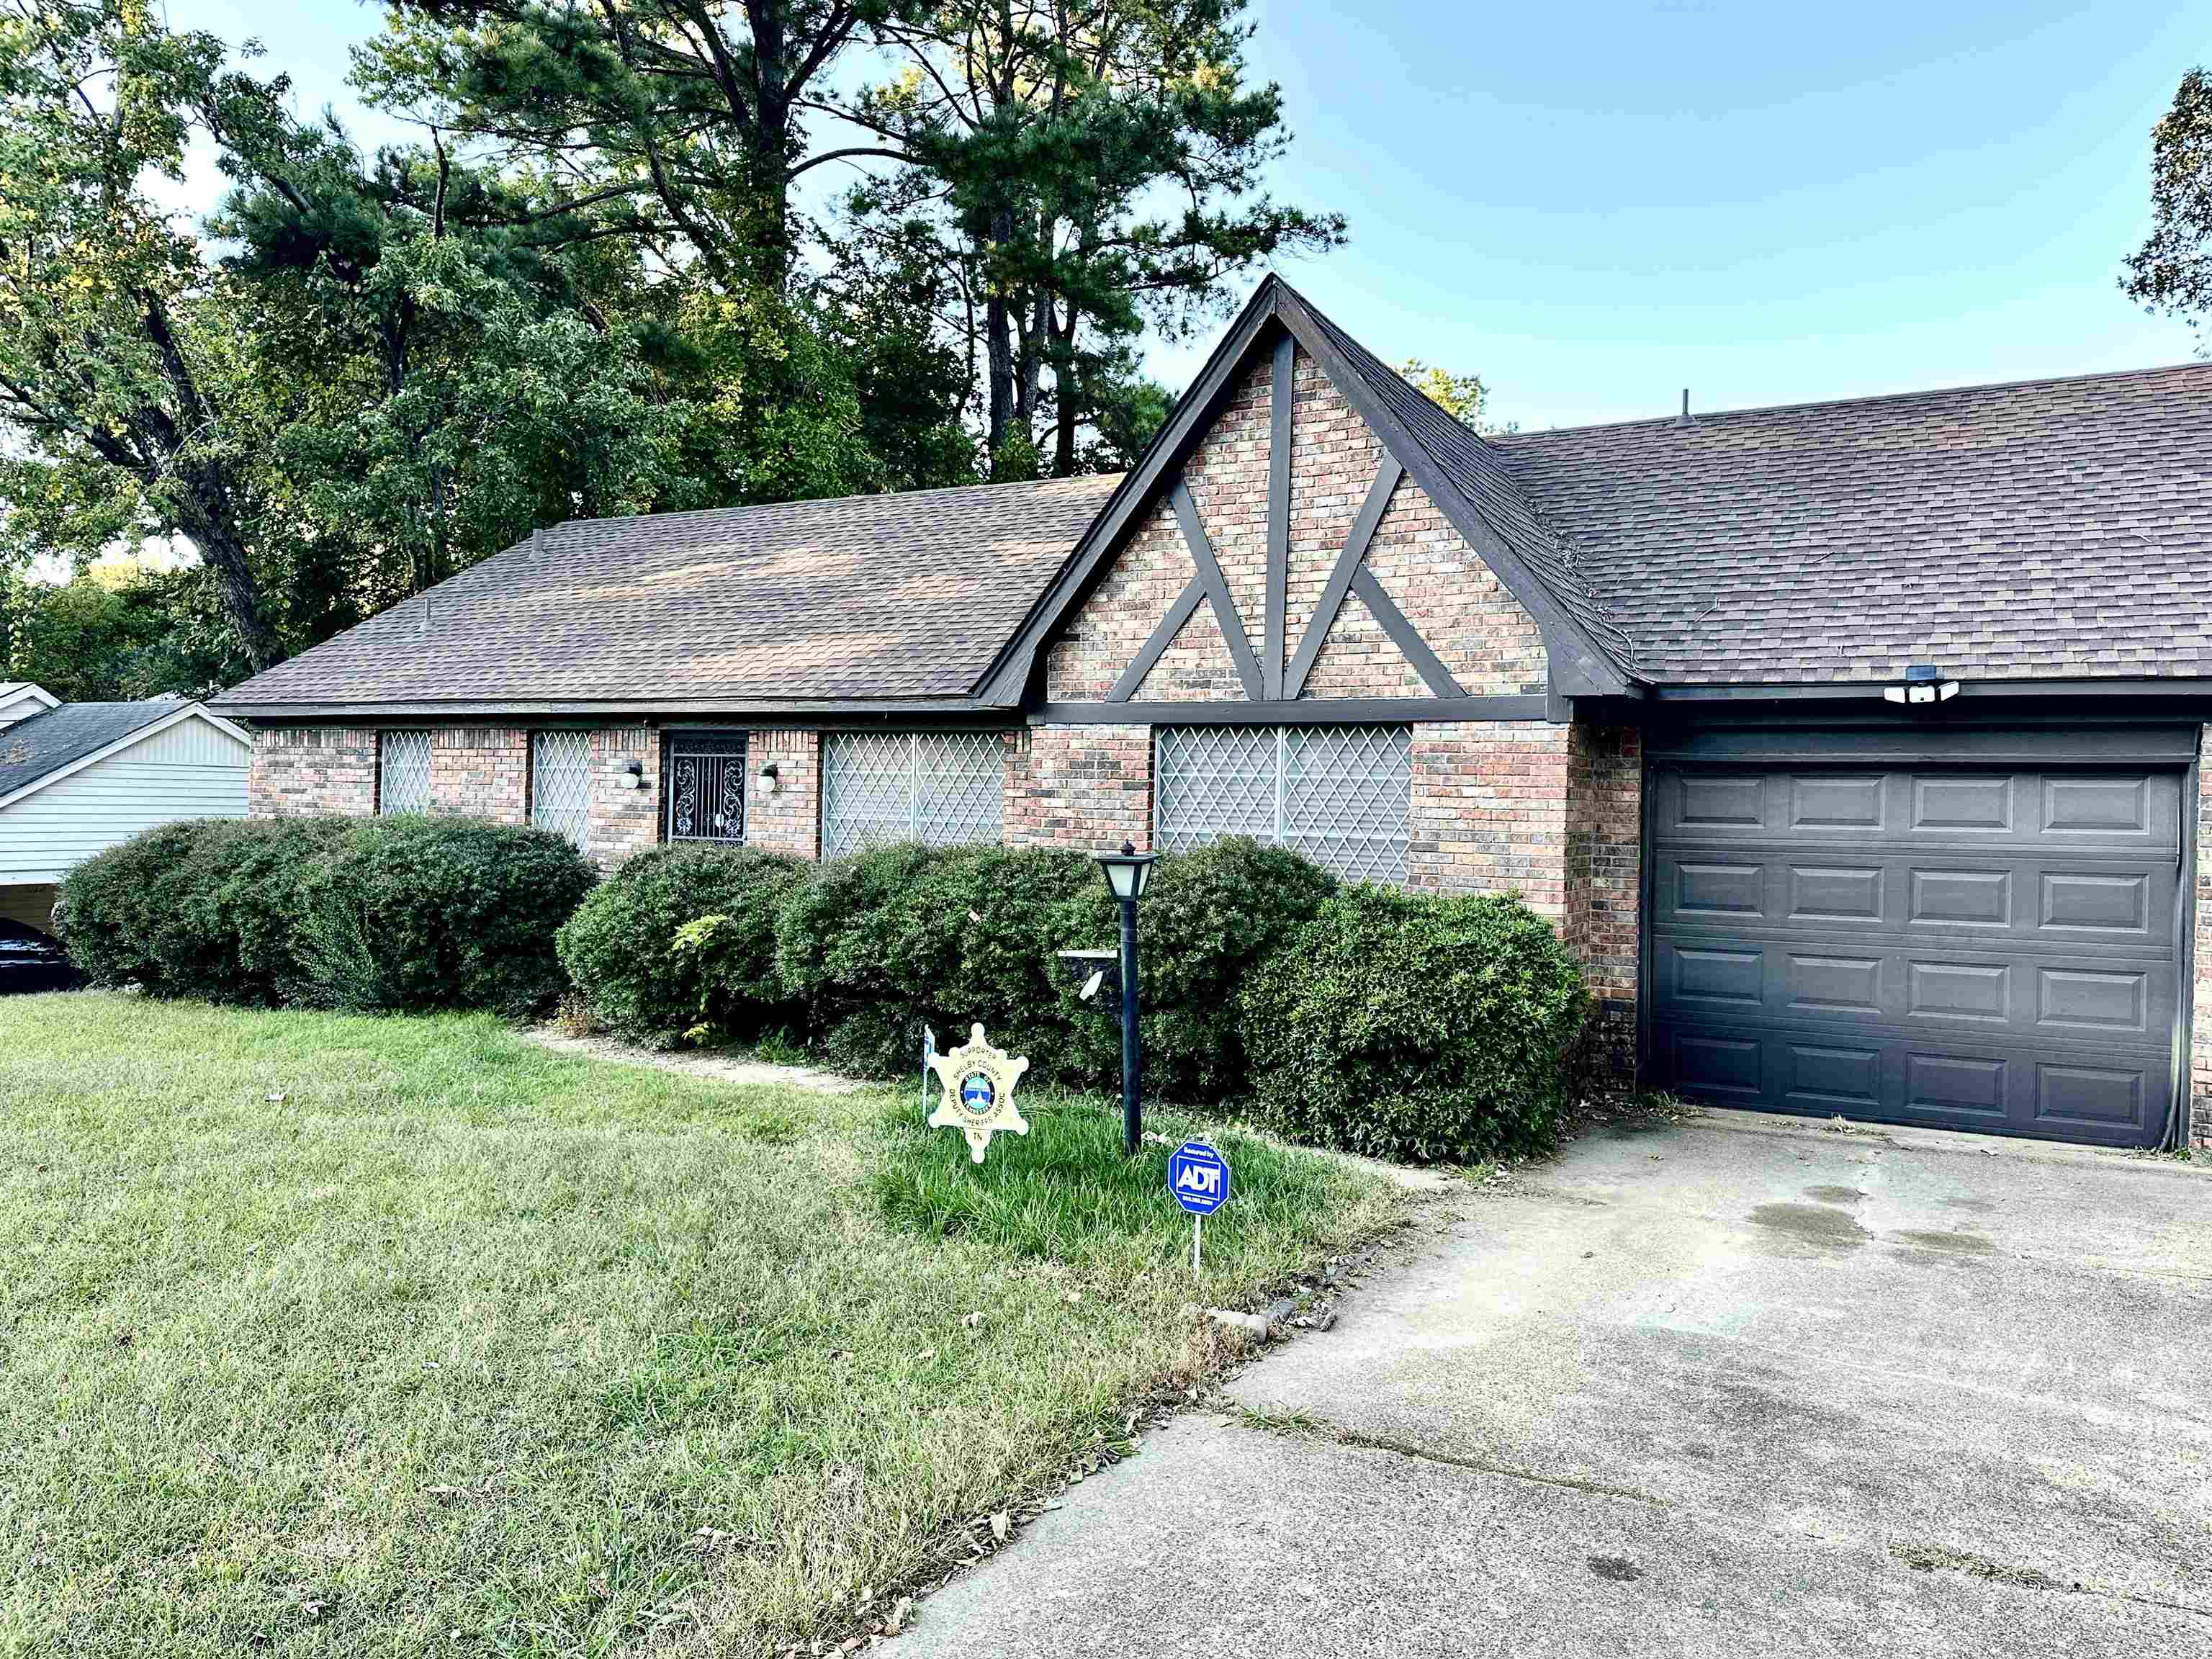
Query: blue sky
<point x="1593" y="206"/>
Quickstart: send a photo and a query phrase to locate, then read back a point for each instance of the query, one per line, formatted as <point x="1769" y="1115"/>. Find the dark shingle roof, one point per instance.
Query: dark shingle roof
<point x="862" y="597"/>
<point x="2053" y="529"/>
<point x="30" y="749"/>
<point x="1480" y="472"/>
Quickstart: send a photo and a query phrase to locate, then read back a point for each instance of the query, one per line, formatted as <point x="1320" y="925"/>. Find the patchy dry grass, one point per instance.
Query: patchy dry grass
<point x="466" y="1345"/>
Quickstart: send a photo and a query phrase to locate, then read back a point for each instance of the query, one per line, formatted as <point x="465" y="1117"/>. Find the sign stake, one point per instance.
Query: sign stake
<point x="1197" y="1231"/>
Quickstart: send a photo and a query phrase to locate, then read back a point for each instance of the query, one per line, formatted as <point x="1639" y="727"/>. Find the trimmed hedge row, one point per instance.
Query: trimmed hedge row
<point x="1384" y="1023"/>
<point x="358" y="914"/>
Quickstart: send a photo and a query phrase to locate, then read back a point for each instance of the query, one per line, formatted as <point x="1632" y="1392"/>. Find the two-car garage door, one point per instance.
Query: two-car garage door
<point x="1973" y="947"/>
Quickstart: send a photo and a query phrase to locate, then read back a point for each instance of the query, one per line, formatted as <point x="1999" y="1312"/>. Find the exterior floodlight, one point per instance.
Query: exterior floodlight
<point x="1127" y="872"/>
<point x="771" y="781"/>
<point x="1923" y="684"/>
<point x="633" y="775"/>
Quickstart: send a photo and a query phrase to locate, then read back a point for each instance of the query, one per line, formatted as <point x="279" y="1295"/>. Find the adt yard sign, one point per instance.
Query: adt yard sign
<point x="1198" y="1177"/>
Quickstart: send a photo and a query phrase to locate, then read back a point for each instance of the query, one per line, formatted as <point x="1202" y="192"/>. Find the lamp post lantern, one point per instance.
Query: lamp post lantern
<point x="1127" y="872"/>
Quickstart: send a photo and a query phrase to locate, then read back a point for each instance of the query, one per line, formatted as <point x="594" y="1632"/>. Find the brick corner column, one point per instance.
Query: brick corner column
<point x="1605" y="899"/>
<point x="790" y="820"/>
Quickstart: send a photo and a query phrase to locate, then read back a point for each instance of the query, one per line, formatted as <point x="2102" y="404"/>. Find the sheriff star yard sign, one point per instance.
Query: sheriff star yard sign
<point x="979" y="1092"/>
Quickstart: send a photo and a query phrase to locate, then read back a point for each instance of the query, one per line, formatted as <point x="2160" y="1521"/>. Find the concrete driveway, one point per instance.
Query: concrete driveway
<point x="1739" y="1386"/>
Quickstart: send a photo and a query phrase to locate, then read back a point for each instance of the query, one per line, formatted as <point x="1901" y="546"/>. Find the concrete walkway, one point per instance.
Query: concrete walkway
<point x="1720" y="1388"/>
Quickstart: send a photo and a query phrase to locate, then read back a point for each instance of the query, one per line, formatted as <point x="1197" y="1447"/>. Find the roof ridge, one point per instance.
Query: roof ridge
<point x="1920" y="394"/>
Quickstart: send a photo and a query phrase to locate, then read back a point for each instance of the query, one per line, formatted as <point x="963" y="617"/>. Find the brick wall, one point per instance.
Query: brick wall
<point x="1605" y="883"/>
<point x="790" y="820"/>
<point x="1490" y="811"/>
<point x="2200" y="1046"/>
<point x="481" y="771"/>
<point x="1079" y="785"/>
<point x="1492" y="646"/>
<point x="619" y="820"/>
<point x="300" y="771"/>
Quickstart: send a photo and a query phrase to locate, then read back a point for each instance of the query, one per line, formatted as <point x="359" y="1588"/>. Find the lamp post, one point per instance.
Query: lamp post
<point x="1127" y="872"/>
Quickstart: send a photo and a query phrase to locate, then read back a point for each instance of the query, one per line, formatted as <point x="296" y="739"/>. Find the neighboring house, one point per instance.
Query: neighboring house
<point x="1653" y="676"/>
<point x="78" y="777"/>
<point x="20" y="700"/>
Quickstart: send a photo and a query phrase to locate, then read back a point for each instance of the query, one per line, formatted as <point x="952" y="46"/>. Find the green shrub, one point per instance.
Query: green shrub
<point x="206" y="907"/>
<point x="886" y="941"/>
<point x="1415" y="1028"/>
<point x="418" y="912"/>
<point x="1208" y="917"/>
<point x="620" y="945"/>
<point x="404" y="912"/>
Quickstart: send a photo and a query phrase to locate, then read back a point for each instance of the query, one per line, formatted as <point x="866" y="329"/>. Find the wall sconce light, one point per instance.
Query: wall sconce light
<point x="633" y="775"/>
<point x="1924" y="684"/>
<point x="769" y="782"/>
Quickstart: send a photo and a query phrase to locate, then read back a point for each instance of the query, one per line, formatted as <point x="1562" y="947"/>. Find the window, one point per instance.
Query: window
<point x="706" y="785"/>
<point x="1340" y="794"/>
<point x="560" y="781"/>
<point x="940" y="787"/>
<point x="403" y="772"/>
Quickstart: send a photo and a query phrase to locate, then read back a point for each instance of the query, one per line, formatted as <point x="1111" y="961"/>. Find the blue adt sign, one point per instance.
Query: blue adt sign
<point x="1198" y="1176"/>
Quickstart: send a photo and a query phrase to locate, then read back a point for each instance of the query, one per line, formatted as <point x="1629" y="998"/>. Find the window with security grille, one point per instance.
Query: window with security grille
<point x="942" y="788"/>
<point x="403" y="772"/>
<point x="706" y="785"/>
<point x="560" y="781"/>
<point x="1340" y="794"/>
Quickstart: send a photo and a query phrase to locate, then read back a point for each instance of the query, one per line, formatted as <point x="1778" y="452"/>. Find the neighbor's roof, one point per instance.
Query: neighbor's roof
<point x="49" y="740"/>
<point x="864" y="597"/>
<point x="2049" y="529"/>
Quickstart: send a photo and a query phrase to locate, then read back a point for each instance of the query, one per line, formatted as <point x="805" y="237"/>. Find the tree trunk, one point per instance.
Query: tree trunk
<point x="206" y="519"/>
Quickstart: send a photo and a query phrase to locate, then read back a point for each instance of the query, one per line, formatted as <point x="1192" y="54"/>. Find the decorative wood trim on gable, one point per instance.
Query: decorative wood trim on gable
<point x="1216" y="590"/>
<point x="1577" y="665"/>
<point x="1339" y="579"/>
<point x="1281" y="389"/>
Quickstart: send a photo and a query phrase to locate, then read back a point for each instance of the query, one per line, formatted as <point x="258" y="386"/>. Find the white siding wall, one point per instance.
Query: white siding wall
<point x="21" y="706"/>
<point x="191" y="770"/>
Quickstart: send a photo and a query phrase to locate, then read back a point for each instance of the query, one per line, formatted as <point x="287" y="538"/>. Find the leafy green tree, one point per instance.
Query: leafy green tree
<point x="1463" y="395"/>
<point x="678" y="121"/>
<point x="90" y="640"/>
<point x="2173" y="270"/>
<point x="1094" y="165"/>
<point x="119" y="356"/>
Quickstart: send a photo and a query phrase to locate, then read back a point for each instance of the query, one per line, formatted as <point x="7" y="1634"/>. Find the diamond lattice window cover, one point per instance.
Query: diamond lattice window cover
<point x="707" y="786"/>
<point x="403" y="772"/>
<point x="942" y="788"/>
<point x="1340" y="794"/>
<point x="560" y="781"/>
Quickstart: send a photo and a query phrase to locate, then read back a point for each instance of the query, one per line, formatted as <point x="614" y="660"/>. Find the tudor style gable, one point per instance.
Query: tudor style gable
<point x="1282" y="544"/>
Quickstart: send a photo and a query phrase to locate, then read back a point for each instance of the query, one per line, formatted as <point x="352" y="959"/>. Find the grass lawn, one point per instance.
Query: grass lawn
<point x="335" y="1334"/>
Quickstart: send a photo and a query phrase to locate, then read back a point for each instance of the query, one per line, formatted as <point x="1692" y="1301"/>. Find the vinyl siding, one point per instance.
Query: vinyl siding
<point x="191" y="770"/>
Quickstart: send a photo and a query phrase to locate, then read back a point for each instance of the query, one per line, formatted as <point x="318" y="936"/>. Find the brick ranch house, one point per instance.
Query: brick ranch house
<point x="1653" y="676"/>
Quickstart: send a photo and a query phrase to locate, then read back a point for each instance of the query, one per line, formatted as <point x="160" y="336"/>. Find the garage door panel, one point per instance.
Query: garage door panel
<point x="1976" y="949"/>
<point x="1976" y="804"/>
<point x="2054" y="998"/>
<point x="2111" y="904"/>
<point x="2105" y="1097"/>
